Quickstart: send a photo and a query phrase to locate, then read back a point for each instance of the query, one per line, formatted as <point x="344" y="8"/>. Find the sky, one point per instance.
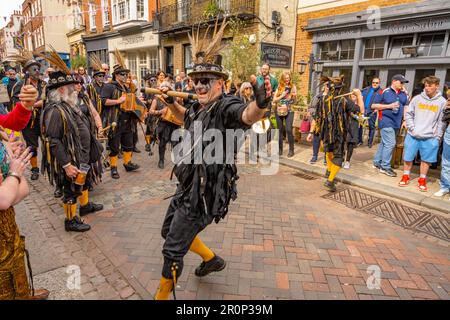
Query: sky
<point x="7" y="7"/>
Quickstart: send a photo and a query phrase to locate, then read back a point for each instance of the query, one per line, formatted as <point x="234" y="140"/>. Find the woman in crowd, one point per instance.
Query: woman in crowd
<point x="285" y="98"/>
<point x="14" y="188"/>
<point x="246" y="92"/>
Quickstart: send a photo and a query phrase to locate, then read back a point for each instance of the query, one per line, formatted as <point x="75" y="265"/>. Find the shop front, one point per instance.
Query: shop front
<point x="410" y="39"/>
<point x="140" y="50"/>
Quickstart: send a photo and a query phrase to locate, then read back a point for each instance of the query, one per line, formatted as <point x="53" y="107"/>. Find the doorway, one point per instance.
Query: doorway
<point x="169" y="59"/>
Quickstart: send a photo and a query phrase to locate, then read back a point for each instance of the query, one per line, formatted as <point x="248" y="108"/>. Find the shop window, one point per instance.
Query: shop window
<point x="329" y="50"/>
<point x="431" y="44"/>
<point x="223" y="5"/>
<point x="153" y="61"/>
<point x="187" y="49"/>
<point x="368" y="77"/>
<point x="132" y="63"/>
<point x="327" y="72"/>
<point x="347" y="51"/>
<point x="374" y="48"/>
<point x="397" y="43"/>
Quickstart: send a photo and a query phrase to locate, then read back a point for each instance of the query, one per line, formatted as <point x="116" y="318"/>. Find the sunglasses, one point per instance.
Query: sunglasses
<point x="204" y="81"/>
<point x="123" y="74"/>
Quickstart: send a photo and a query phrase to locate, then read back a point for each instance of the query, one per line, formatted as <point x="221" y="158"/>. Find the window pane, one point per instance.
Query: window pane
<point x="378" y="53"/>
<point x="396" y="47"/>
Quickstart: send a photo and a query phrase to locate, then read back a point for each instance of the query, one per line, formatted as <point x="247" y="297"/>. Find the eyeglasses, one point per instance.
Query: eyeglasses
<point x="204" y="81"/>
<point x="375" y="82"/>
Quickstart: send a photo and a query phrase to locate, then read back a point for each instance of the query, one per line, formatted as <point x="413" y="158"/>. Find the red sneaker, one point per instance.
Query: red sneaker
<point x="423" y="184"/>
<point x="405" y="181"/>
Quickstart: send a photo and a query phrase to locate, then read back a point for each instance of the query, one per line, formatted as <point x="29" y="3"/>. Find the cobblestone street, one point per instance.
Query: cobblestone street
<point x="284" y="238"/>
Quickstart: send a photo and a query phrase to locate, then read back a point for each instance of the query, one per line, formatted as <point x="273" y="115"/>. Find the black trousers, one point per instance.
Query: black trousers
<point x="31" y="135"/>
<point x="180" y="226"/>
<point x="289" y="119"/>
<point x="72" y="191"/>
<point x="165" y="130"/>
<point x="338" y="149"/>
<point x="122" y="136"/>
<point x="135" y="134"/>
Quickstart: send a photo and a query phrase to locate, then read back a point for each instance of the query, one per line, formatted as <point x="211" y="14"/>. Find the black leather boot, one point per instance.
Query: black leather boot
<point x="58" y="192"/>
<point x="114" y="173"/>
<point x="136" y="150"/>
<point x="90" y="208"/>
<point x="34" y="173"/>
<point x="131" y="166"/>
<point x="77" y="225"/>
<point x="161" y="164"/>
<point x="330" y="185"/>
<point x="214" y="265"/>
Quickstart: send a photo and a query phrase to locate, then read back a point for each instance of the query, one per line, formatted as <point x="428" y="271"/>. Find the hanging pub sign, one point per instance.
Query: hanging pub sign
<point x="276" y="56"/>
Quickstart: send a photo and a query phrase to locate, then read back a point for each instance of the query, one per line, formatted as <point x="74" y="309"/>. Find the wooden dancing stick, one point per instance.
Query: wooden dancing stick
<point x="343" y="95"/>
<point x="177" y="94"/>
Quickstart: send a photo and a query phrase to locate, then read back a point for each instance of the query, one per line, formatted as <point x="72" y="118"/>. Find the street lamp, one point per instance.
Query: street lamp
<point x="315" y="65"/>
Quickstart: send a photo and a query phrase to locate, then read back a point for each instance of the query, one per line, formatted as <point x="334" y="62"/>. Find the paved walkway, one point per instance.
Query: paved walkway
<point x="362" y="174"/>
<point x="284" y="238"/>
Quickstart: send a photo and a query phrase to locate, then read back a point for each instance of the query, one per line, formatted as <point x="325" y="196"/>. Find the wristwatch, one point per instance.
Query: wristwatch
<point x="15" y="175"/>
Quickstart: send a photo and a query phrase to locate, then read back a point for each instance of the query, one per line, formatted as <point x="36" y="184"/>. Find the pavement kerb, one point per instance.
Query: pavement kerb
<point x="367" y="184"/>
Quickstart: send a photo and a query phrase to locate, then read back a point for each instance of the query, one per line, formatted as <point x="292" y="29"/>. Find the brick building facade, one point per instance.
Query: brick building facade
<point x="312" y="9"/>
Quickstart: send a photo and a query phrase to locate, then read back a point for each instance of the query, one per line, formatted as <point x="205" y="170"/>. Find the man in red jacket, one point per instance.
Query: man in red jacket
<point x="18" y="118"/>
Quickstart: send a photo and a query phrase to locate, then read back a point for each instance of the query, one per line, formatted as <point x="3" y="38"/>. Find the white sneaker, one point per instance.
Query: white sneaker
<point x="346" y="165"/>
<point x="441" y="193"/>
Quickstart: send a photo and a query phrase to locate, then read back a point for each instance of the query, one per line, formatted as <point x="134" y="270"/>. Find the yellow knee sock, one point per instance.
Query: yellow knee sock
<point x="70" y="210"/>
<point x="113" y="161"/>
<point x="127" y="157"/>
<point x="147" y="139"/>
<point x="333" y="172"/>
<point x="164" y="289"/>
<point x="329" y="157"/>
<point x="198" y="247"/>
<point x="33" y="162"/>
<point x="84" y="198"/>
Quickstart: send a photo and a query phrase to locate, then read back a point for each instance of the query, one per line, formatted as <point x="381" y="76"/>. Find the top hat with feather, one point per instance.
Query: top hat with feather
<point x="96" y="64"/>
<point x="62" y="76"/>
<point x="120" y="63"/>
<point x="205" y="52"/>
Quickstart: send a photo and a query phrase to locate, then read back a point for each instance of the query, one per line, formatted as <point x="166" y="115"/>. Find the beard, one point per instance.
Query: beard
<point x="69" y="96"/>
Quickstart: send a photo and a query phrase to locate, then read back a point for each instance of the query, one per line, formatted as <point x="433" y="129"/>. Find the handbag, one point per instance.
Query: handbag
<point x="305" y="126"/>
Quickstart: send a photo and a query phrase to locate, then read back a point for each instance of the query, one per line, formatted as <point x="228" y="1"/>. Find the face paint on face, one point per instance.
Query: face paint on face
<point x="206" y="89"/>
<point x="34" y="72"/>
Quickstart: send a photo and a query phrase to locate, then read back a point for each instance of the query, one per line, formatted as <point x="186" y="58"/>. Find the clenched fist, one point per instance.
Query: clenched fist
<point x="28" y="96"/>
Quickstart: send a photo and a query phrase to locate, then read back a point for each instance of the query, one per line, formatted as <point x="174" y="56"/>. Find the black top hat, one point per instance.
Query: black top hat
<point x="58" y="79"/>
<point x="118" y="69"/>
<point x="30" y="63"/>
<point x="214" y="68"/>
<point x="99" y="72"/>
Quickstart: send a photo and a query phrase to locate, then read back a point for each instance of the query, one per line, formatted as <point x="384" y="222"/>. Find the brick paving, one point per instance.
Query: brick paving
<point x="281" y="239"/>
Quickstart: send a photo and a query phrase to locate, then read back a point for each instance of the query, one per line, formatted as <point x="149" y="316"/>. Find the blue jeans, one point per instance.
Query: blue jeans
<point x="384" y="153"/>
<point x="445" y="173"/>
<point x="316" y="145"/>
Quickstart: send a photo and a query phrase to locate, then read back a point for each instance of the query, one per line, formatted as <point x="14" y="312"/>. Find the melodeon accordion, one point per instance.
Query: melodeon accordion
<point x="134" y="105"/>
<point x="170" y="117"/>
